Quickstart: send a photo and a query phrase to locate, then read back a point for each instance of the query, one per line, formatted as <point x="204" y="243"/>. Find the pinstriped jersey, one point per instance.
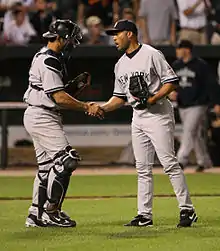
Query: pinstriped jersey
<point x="47" y="75"/>
<point x="148" y="62"/>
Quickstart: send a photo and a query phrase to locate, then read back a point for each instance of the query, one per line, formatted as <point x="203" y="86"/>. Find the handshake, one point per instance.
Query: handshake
<point x="95" y="110"/>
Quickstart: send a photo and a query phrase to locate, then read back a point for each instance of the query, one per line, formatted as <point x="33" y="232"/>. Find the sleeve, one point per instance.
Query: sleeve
<point x="118" y="88"/>
<point x="164" y="71"/>
<point x="52" y="75"/>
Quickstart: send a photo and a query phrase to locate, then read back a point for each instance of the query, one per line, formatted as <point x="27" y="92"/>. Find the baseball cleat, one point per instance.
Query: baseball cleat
<point x="33" y="221"/>
<point x="187" y="217"/>
<point x="55" y="220"/>
<point x="140" y="221"/>
<point x="63" y="215"/>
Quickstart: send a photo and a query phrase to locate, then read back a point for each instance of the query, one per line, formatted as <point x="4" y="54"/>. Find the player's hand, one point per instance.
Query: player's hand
<point x="151" y="101"/>
<point x="95" y="110"/>
<point x="173" y="96"/>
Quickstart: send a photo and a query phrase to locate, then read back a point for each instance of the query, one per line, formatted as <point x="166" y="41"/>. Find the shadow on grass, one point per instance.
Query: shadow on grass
<point x="208" y="228"/>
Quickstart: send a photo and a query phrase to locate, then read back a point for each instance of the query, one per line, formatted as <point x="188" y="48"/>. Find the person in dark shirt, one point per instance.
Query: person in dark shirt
<point x="106" y="10"/>
<point x="197" y="90"/>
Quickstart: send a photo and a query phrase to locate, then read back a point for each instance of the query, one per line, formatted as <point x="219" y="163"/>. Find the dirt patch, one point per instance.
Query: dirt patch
<point x="97" y="171"/>
<point x="25" y="156"/>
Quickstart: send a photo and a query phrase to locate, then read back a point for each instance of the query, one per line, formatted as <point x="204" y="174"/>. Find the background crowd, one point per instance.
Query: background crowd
<point x="159" y="21"/>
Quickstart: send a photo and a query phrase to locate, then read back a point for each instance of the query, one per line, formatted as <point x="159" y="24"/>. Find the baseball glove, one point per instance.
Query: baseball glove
<point x="78" y="84"/>
<point x="139" y="90"/>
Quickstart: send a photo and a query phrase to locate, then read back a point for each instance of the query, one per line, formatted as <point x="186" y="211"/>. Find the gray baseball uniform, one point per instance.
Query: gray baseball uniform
<point x="152" y="128"/>
<point x="42" y="120"/>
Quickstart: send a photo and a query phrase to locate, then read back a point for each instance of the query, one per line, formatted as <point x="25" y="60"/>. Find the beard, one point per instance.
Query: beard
<point x="124" y="47"/>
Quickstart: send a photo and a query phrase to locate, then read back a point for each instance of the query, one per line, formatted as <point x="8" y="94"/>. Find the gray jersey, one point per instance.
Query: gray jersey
<point x="148" y="62"/>
<point x="45" y="77"/>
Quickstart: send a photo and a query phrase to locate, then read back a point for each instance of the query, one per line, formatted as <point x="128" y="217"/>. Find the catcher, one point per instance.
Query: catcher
<point x="48" y="91"/>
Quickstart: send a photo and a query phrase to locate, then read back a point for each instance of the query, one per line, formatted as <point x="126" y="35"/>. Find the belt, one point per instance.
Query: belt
<point x="46" y="108"/>
<point x="193" y="29"/>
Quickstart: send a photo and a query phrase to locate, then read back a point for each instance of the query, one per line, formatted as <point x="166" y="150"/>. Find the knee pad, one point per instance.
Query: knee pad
<point x="65" y="163"/>
<point x="68" y="159"/>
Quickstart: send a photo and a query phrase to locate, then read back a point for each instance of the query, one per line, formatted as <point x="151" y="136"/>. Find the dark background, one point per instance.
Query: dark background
<point x="99" y="61"/>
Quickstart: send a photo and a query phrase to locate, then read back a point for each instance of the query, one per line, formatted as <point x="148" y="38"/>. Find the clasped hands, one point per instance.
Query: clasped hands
<point x="95" y="110"/>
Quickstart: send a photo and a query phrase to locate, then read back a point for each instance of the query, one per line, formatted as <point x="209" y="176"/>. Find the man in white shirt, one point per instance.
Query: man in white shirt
<point x="20" y="31"/>
<point x="11" y="5"/>
<point x="193" y="21"/>
<point x="157" y="21"/>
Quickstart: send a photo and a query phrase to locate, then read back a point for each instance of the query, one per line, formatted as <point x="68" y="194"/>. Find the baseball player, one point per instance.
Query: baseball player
<point x="49" y="89"/>
<point x="144" y="78"/>
<point x="197" y="89"/>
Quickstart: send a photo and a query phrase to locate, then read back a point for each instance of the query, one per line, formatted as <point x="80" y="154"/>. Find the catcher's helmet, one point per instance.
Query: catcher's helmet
<point x="65" y="29"/>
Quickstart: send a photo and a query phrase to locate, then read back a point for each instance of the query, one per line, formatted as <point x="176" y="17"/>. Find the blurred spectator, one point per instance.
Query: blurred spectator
<point x="67" y="9"/>
<point x="214" y="19"/>
<point x="197" y="90"/>
<point x="106" y="10"/>
<point x="42" y="18"/>
<point x="95" y="35"/>
<point x="193" y="21"/>
<point x="13" y="5"/>
<point x="20" y="31"/>
<point x="129" y="4"/>
<point x="157" y="21"/>
<point x="128" y="13"/>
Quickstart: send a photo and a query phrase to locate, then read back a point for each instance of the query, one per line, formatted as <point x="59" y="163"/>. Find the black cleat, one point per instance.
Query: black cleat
<point x="182" y="166"/>
<point x="33" y="221"/>
<point x="140" y="221"/>
<point x="65" y="216"/>
<point x="54" y="219"/>
<point x="187" y="217"/>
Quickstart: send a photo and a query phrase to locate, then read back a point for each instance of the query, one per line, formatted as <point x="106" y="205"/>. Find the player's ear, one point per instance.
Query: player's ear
<point x="129" y="34"/>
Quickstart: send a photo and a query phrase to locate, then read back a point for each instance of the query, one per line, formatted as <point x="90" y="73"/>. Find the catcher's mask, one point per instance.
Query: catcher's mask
<point x="67" y="30"/>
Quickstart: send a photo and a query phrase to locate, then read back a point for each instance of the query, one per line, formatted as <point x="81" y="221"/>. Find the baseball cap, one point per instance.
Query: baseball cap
<point x="93" y="20"/>
<point x="122" y="25"/>
<point x="185" y="44"/>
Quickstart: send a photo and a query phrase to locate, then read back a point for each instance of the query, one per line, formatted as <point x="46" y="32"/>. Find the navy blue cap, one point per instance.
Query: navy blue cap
<point x="185" y="44"/>
<point x="122" y="25"/>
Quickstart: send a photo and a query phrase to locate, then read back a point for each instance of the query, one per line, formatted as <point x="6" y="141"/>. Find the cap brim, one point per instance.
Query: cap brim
<point x="112" y="32"/>
<point x="49" y="35"/>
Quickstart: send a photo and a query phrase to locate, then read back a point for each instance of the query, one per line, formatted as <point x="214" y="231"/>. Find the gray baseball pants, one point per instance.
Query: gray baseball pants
<point x="45" y="128"/>
<point x="193" y="137"/>
<point x="154" y="132"/>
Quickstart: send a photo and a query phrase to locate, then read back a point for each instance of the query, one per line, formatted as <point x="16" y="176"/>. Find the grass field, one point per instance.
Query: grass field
<point x="100" y="221"/>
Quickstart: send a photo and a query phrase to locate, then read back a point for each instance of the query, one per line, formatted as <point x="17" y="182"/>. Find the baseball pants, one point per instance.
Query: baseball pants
<point x="193" y="137"/>
<point x="155" y="133"/>
<point x="48" y="137"/>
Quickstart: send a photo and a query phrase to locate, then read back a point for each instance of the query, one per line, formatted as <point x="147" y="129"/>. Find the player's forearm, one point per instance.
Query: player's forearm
<point x="163" y="92"/>
<point x="64" y="100"/>
<point x="113" y="104"/>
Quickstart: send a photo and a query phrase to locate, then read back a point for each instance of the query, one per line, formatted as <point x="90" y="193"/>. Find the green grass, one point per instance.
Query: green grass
<point x="111" y="185"/>
<point x="100" y="222"/>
